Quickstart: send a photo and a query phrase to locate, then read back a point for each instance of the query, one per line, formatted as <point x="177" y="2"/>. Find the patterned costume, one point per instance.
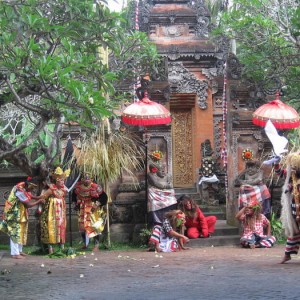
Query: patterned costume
<point x="256" y="235"/>
<point x="254" y="223"/>
<point x="91" y="220"/>
<point x="290" y="202"/>
<point x="53" y="217"/>
<point x="15" y="216"/>
<point x="160" y="235"/>
<point x="167" y="238"/>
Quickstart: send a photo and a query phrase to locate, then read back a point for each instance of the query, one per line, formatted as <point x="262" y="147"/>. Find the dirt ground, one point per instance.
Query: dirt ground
<point x="199" y="273"/>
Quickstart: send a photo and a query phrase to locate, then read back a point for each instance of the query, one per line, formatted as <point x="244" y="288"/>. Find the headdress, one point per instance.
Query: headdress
<point x="31" y="181"/>
<point x="254" y="204"/>
<point x="60" y="174"/>
<point x="293" y="160"/>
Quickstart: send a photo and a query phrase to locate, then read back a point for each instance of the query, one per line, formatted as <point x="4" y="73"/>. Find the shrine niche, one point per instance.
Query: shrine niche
<point x="160" y="142"/>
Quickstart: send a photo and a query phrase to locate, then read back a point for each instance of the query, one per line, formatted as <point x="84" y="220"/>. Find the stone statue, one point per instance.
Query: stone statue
<point x="252" y="187"/>
<point x="161" y="195"/>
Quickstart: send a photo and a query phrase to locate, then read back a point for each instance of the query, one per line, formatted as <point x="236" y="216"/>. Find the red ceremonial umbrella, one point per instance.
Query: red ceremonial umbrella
<point x="280" y="114"/>
<point x="146" y="113"/>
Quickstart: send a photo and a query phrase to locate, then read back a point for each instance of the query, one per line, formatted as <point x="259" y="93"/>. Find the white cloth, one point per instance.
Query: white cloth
<point x="210" y="179"/>
<point x="279" y="142"/>
<point x="15" y="248"/>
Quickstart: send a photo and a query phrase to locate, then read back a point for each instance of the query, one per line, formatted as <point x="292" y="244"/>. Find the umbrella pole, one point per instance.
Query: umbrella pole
<point x="146" y="176"/>
<point x="108" y="226"/>
<point x="70" y="219"/>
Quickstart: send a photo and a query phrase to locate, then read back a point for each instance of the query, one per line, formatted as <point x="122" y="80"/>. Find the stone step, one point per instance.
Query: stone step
<point x="187" y="191"/>
<point x="220" y="215"/>
<point x="222" y="228"/>
<point x="215" y="241"/>
<point x="224" y="235"/>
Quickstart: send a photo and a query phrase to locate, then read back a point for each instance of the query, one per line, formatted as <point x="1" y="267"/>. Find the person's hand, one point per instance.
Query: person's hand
<point x="186" y="248"/>
<point x="42" y="200"/>
<point x="186" y="239"/>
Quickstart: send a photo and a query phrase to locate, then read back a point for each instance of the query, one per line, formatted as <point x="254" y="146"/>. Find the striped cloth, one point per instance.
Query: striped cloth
<point x="250" y="193"/>
<point x="158" y="199"/>
<point x="292" y="245"/>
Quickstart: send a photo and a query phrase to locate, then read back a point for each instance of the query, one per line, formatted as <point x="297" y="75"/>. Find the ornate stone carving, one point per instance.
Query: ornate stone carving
<point x="234" y="68"/>
<point x="218" y="136"/>
<point x="172" y="17"/>
<point x="175" y="31"/>
<point x="161" y="141"/>
<point x="183" y="152"/>
<point x="201" y="29"/>
<point x="199" y="7"/>
<point x="182" y="81"/>
<point x="173" y="52"/>
<point x="236" y="135"/>
<point x="144" y="14"/>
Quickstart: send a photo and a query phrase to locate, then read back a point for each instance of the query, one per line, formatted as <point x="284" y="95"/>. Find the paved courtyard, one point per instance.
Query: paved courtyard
<point x="199" y="273"/>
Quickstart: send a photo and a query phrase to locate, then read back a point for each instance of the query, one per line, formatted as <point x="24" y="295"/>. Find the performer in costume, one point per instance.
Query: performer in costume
<point x="256" y="227"/>
<point x="197" y="224"/>
<point x="290" y="201"/>
<point x="15" y="216"/>
<point x="90" y="199"/>
<point x="53" y="216"/>
<point x="161" y="195"/>
<point x="169" y="236"/>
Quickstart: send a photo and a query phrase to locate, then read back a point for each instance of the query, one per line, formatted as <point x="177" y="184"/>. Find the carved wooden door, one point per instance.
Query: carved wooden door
<point x="182" y="148"/>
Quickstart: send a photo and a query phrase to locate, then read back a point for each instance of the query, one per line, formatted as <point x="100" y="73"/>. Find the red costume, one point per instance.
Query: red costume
<point x="200" y="226"/>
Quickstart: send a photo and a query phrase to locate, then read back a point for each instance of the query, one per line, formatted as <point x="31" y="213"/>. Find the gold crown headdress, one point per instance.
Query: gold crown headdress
<point x="60" y="174"/>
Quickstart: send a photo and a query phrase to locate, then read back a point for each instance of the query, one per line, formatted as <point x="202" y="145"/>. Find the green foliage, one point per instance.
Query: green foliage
<point x="57" y="52"/>
<point x="276" y="229"/>
<point x="144" y="235"/>
<point x="113" y="246"/>
<point x="267" y="37"/>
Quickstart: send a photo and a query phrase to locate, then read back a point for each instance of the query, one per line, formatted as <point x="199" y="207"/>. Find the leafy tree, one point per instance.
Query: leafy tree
<point x="53" y="71"/>
<point x="267" y="34"/>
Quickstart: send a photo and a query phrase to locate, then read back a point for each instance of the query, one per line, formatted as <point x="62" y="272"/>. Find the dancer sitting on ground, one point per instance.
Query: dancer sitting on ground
<point x="197" y="225"/>
<point x="15" y="215"/>
<point x="169" y="236"/>
<point x="254" y="226"/>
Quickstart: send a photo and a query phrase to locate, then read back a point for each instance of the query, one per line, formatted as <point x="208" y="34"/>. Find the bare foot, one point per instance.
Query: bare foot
<point x="23" y="254"/>
<point x="252" y="246"/>
<point x="158" y="249"/>
<point x="96" y="249"/>
<point x="285" y="259"/>
<point x="17" y="256"/>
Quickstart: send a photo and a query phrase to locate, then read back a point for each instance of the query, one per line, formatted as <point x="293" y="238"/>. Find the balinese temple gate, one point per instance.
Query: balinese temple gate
<point x="200" y="83"/>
